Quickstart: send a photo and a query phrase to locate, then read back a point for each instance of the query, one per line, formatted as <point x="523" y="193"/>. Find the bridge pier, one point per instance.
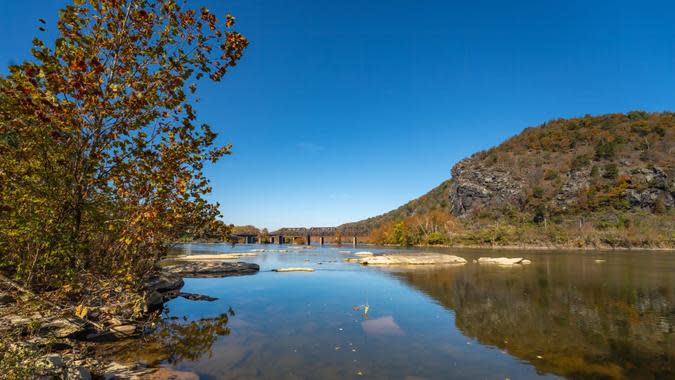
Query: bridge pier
<point x="354" y="242"/>
<point x="309" y="239"/>
<point x="282" y="239"/>
<point x="321" y="240"/>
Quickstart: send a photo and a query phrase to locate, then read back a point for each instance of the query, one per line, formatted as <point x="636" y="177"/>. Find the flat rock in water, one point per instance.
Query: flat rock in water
<point x="363" y="253"/>
<point x="293" y="270"/>
<point x="503" y="261"/>
<point x="416" y="259"/>
<point x="212" y="269"/>
<point x="219" y="256"/>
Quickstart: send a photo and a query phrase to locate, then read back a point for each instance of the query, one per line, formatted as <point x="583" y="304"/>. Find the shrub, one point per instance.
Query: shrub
<point x="604" y="149"/>
<point x="579" y="162"/>
<point x="537" y="192"/>
<point x="550" y="174"/>
<point x="611" y="171"/>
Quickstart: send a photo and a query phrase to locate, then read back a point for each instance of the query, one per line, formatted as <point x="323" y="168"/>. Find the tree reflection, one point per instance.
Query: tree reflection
<point x="600" y="325"/>
<point x="177" y="339"/>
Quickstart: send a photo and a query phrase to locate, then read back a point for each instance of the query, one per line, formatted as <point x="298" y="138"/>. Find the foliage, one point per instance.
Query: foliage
<point x="100" y="155"/>
<point x="428" y="228"/>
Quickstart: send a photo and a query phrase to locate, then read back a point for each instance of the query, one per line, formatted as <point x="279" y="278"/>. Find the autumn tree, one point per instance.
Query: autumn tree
<point x="101" y="155"/>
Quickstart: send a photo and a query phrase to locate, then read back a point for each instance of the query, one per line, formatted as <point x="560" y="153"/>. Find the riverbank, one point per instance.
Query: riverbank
<point x="46" y="340"/>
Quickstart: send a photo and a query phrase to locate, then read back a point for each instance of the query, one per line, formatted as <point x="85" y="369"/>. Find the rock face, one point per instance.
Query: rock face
<point x="474" y="185"/>
<point x="212" y="269"/>
<point x="411" y="259"/>
<point x="477" y="185"/>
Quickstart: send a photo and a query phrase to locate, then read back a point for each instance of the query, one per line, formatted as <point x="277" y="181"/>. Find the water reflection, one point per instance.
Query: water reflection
<point x="563" y="315"/>
<point x="178" y="339"/>
<point x="605" y="323"/>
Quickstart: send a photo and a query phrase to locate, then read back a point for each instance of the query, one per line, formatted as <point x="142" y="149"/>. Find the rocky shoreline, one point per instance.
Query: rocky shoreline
<point x="62" y="345"/>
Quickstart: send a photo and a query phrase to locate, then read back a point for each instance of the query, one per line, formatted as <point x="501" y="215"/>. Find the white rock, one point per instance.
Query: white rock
<point x="410" y="259"/>
<point x="503" y="261"/>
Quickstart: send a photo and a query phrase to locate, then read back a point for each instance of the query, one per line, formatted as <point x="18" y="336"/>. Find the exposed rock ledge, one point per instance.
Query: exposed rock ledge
<point x="211" y="269"/>
<point x="416" y="259"/>
<point x="219" y="256"/>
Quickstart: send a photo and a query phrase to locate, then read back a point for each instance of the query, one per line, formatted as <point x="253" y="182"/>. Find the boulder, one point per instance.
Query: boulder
<point x="204" y="269"/>
<point x="413" y="259"/>
<point x="154" y="300"/>
<point x="165" y="282"/>
<point x="123" y="331"/>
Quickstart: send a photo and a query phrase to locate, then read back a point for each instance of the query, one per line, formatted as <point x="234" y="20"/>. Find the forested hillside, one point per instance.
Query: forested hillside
<point x="437" y="198"/>
<point x="590" y="181"/>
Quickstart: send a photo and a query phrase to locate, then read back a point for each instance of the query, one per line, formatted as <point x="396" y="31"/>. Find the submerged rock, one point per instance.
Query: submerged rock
<point x="504" y="261"/>
<point x="212" y="269"/>
<point x="418" y="259"/>
<point x="197" y="297"/>
<point x="116" y="371"/>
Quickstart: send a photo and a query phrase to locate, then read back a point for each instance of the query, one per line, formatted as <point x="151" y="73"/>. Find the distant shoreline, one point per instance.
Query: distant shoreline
<point x="543" y="248"/>
<point x="491" y="247"/>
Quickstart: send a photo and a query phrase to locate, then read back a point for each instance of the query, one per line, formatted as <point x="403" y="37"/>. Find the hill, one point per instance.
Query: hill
<point x="436" y="199"/>
<point x="596" y="181"/>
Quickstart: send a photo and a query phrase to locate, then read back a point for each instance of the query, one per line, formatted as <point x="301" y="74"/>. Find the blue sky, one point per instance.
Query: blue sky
<point x="341" y="110"/>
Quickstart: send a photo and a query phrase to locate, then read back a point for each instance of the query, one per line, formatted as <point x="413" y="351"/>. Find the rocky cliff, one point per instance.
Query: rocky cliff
<point x="565" y="166"/>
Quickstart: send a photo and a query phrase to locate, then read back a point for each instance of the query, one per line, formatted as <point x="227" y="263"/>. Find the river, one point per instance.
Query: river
<point x="567" y="315"/>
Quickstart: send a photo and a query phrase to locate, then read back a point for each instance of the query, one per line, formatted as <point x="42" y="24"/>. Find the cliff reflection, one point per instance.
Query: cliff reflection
<point x="595" y="323"/>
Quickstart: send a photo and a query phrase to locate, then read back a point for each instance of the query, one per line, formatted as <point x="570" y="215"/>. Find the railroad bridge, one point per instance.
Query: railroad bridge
<point x="319" y="234"/>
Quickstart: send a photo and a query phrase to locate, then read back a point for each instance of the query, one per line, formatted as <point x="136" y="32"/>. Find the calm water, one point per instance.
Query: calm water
<point x="565" y="315"/>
